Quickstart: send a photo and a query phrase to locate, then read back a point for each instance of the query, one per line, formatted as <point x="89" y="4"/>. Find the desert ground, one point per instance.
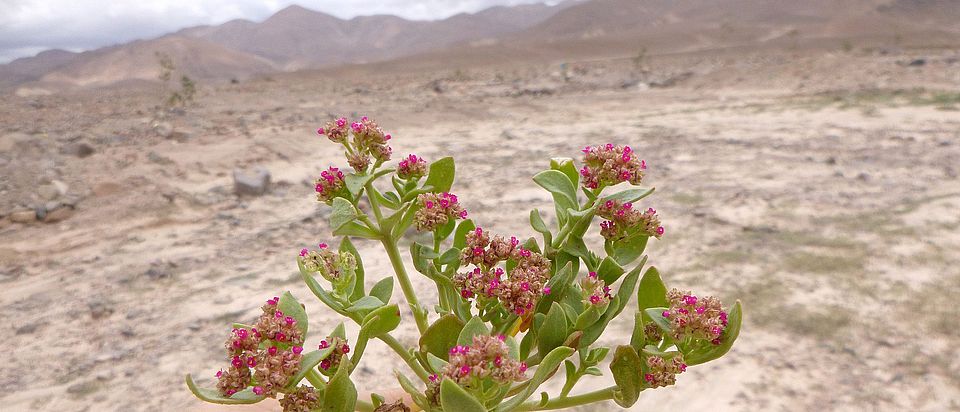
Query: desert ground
<point x="819" y="187"/>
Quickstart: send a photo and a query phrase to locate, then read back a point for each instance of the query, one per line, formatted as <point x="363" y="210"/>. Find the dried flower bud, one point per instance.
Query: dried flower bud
<point x="607" y="165"/>
<point x="359" y="162"/>
<point x="662" y="372"/>
<point x="412" y="167"/>
<point x="436" y="210"/>
<point x="695" y="318"/>
<point x="340" y="348"/>
<point x="652" y="332"/>
<point x="274" y="369"/>
<point x="275" y="326"/>
<point x="303" y="399"/>
<point x="526" y="282"/>
<point x="623" y="221"/>
<point x="233" y="380"/>
<point x="329" y="185"/>
<point x="241" y="340"/>
<point x="338" y="268"/>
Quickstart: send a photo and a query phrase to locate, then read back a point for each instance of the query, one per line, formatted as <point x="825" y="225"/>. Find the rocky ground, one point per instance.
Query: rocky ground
<point x="822" y="190"/>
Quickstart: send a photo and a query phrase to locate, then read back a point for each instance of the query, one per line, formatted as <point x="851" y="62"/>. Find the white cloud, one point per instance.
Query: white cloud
<point x="28" y="26"/>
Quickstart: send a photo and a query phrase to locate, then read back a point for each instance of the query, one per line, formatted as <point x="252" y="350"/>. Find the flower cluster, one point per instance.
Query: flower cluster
<point x="623" y="221"/>
<point x="662" y="372"/>
<point x="412" y="167"/>
<point x="595" y="291"/>
<point x="608" y="165"/>
<point x="329" y="185"/>
<point x="696" y="318"/>
<point x="487" y="358"/>
<point x="369" y="140"/>
<point x="272" y="350"/>
<point x="340" y="349"/>
<point x="523" y="287"/>
<point x="303" y="399"/>
<point x="436" y="210"/>
<point x="336" y="268"/>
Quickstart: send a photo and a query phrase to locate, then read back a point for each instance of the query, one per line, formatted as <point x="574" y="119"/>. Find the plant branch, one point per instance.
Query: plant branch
<point x="570" y="401"/>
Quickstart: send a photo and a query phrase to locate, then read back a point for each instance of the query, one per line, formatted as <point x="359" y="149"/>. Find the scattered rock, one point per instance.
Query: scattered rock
<point x="23" y="216"/>
<point x="83" y="388"/>
<point x="104" y="375"/>
<point x="159" y="159"/>
<point x="58" y="213"/>
<point x="863" y="176"/>
<point x="163" y="129"/>
<point x="831" y="160"/>
<point x="508" y="135"/>
<point x="28" y="328"/>
<point x="78" y="149"/>
<point x="160" y="270"/>
<point x="100" y="309"/>
<point x="917" y="62"/>
<point x="52" y="190"/>
<point x="255" y="184"/>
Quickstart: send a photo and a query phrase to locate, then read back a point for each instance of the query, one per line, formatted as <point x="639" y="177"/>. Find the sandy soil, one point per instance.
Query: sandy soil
<point x="821" y="190"/>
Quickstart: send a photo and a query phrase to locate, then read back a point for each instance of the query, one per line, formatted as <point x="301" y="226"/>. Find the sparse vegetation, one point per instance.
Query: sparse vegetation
<point x="188" y="88"/>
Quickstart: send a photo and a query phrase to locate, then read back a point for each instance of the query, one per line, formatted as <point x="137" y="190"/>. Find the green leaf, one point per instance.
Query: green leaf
<point x="355" y="182"/>
<point x="629" y="195"/>
<point x="290" y="307"/>
<point x="558" y="184"/>
<point x="652" y="293"/>
<point x="566" y="165"/>
<point x="624" y="293"/>
<point x="588" y="317"/>
<point x="383" y="289"/>
<point x="450" y="257"/>
<point x="444" y="231"/>
<point x="454" y="399"/>
<point x="441" y="175"/>
<point x="405" y="221"/>
<point x="576" y="247"/>
<point x="340" y="394"/>
<point x="558" y="284"/>
<point x="609" y="271"/>
<point x="381" y="321"/>
<point x="436" y="364"/>
<point x="460" y="237"/>
<point x="307" y="363"/>
<point x="545" y="370"/>
<point x="730" y="334"/>
<point x="475" y="326"/>
<point x="656" y="315"/>
<point x="412" y="390"/>
<point x="342" y="213"/>
<point x="627" y="250"/>
<point x="639" y="338"/>
<point x="339" y="332"/>
<point x="245" y="396"/>
<point x="357" y="230"/>
<point x="347" y="246"/>
<point x="625" y="368"/>
<point x="554" y="329"/>
<point x="441" y="336"/>
<point x="537" y="223"/>
<point x="365" y="305"/>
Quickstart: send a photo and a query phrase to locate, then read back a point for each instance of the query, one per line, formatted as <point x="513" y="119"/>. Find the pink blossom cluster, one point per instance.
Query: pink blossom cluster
<point x="333" y="266"/>
<point x="329" y="185"/>
<point x="303" y="399"/>
<point x="595" y="291"/>
<point x="487" y="358"/>
<point x="436" y="210"/>
<point x="520" y="290"/>
<point x="695" y="318"/>
<point x="412" y="167"/>
<point x="369" y="140"/>
<point x="662" y="372"/>
<point x="271" y="350"/>
<point x="623" y="221"/>
<point x="607" y="165"/>
<point x="340" y="349"/>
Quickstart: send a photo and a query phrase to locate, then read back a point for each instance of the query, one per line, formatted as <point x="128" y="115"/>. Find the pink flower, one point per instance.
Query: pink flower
<point x="297" y="349"/>
<point x="258" y="390"/>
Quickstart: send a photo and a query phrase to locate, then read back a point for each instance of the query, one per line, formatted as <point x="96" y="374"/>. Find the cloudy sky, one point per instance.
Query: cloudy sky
<point x="30" y="26"/>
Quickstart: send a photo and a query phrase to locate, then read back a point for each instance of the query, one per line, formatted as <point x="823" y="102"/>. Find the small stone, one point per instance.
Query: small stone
<point x="255" y="184"/>
<point x="28" y="328"/>
<point x="104" y="375"/>
<point x="508" y="135"/>
<point x="917" y="62"/>
<point x="78" y="149"/>
<point x="23" y="216"/>
<point x="163" y="129"/>
<point x="100" y="309"/>
<point x="57" y="214"/>
<point x="83" y="388"/>
<point x="160" y="270"/>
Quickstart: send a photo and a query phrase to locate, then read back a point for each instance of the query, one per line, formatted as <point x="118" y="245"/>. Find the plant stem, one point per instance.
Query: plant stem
<point x="570" y="401"/>
<point x="391" y="246"/>
<point x="373" y="203"/>
<point x="411" y="360"/>
<point x="364" y="406"/>
<point x="315" y="379"/>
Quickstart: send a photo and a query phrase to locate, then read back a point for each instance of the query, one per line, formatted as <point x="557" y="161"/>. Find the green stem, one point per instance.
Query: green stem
<point x="315" y="379"/>
<point x="570" y="401"/>
<point x="407" y="357"/>
<point x="401" y="271"/>
<point x="364" y="406"/>
<point x="374" y="203"/>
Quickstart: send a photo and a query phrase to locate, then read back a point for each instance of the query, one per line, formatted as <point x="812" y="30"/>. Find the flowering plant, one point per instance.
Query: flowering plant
<point x="510" y="312"/>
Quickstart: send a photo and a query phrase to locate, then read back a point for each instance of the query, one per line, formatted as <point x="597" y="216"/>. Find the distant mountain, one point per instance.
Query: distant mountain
<point x="294" y="38"/>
